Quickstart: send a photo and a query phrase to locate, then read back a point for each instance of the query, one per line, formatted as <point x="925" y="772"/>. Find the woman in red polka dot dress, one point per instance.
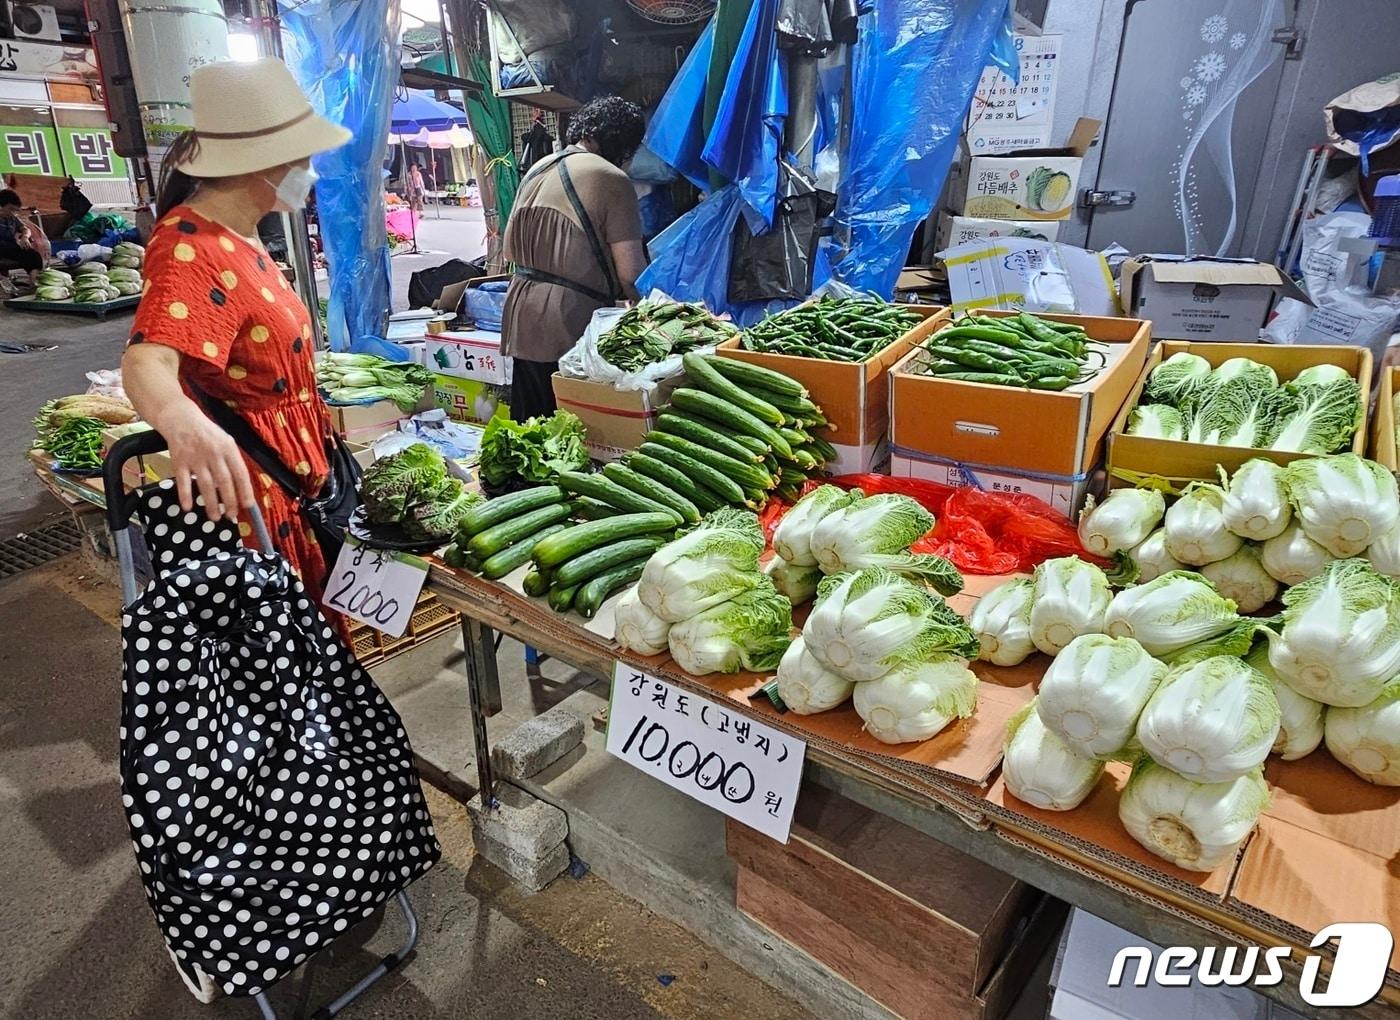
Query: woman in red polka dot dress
<point x="217" y="314"/>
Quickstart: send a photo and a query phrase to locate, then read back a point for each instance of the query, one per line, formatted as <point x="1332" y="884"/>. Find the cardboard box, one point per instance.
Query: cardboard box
<point x="1131" y="459"/>
<point x="470" y="399"/>
<point x="957" y="230"/>
<point x="923" y="929"/>
<point x="467" y="354"/>
<point x="854" y="396"/>
<point x="999" y="187"/>
<point x="1383" y="446"/>
<point x="1203" y="298"/>
<point x="1010" y="439"/>
<point x="354" y="420"/>
<point x="616" y="420"/>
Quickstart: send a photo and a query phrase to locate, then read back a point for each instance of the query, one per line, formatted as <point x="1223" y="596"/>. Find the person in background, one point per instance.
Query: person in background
<point x="17" y="236"/>
<point x="415" y="188"/>
<point x="575" y="236"/>
<point x="218" y="323"/>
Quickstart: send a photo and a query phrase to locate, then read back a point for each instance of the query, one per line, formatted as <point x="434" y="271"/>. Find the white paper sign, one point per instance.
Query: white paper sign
<point x="747" y="770"/>
<point x="379" y="587"/>
<point x="1006" y="116"/>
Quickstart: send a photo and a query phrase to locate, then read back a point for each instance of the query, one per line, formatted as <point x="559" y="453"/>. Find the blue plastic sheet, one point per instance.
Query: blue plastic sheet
<point x="747" y="135"/>
<point x="676" y="133"/>
<point x="346" y="56"/>
<point x="915" y="68"/>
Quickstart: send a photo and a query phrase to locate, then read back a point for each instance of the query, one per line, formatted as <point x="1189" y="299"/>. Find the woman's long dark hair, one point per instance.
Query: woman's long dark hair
<point x="176" y="186"/>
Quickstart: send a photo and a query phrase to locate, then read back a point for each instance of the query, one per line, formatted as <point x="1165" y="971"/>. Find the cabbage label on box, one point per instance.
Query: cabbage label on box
<point x="749" y="771"/>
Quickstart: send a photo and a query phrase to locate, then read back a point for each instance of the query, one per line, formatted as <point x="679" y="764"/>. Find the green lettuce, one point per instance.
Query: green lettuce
<point x="532" y="452"/>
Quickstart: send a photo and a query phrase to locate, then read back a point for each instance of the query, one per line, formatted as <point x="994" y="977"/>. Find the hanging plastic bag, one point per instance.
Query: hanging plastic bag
<point x="1365" y="119"/>
<point x="582" y="360"/>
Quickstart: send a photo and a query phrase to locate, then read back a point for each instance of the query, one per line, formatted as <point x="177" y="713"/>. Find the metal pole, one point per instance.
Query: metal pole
<point x="800" y="129"/>
<point x="267" y="26"/>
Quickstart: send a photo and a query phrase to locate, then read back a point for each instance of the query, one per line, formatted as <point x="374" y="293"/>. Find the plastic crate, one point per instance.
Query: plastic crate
<point x="430" y="618"/>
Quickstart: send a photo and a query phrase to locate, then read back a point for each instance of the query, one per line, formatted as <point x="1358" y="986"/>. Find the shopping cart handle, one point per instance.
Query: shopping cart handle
<point x="120" y="504"/>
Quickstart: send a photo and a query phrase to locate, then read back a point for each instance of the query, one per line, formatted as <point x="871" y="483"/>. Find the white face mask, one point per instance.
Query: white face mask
<point x="294" y="188"/>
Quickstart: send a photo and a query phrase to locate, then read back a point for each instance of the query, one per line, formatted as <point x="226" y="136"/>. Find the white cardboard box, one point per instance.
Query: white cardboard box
<point x="467" y="354"/>
<point x="1203" y="298"/>
<point x="1064" y="494"/>
<point x="958" y="230"/>
<point x="1004" y="187"/>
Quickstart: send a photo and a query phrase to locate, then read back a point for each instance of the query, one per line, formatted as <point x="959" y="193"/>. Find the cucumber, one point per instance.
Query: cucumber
<point x="795" y="437"/>
<point x="653" y="490"/>
<point x="597" y="561"/>
<point x="565" y="545"/>
<point x="708" y="378"/>
<point x="725" y="488"/>
<point x="453" y="556"/>
<point x="822" y="448"/>
<point x="747" y="473"/>
<point x="536" y="583"/>
<point x="515" y="555"/>
<point x="503" y="508"/>
<point x="560" y="599"/>
<point x="678" y="481"/>
<point x="726" y="415"/>
<point x="605" y="490"/>
<point x="756" y="446"/>
<point x="801" y="407"/>
<point x="592" y="510"/>
<point x="485" y="544"/>
<point x="751" y="376"/>
<point x="805" y="459"/>
<point x="698" y="430"/>
<point x="593" y="593"/>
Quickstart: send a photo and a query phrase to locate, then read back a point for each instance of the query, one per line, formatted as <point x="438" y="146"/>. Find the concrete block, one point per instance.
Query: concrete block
<point x="521" y="823"/>
<point x="535" y="745"/>
<point x="533" y="873"/>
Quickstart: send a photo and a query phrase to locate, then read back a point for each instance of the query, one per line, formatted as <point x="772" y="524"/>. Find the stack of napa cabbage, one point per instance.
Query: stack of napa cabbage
<point x="703" y="598"/>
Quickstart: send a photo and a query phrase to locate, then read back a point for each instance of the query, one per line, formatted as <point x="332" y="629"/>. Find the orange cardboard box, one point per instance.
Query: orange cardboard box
<point x="1133" y="459"/>
<point x="854" y="396"/>
<point x="1010" y="439"/>
<point x="1383" y="427"/>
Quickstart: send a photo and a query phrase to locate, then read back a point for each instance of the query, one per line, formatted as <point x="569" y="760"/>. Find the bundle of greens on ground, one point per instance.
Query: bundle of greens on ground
<point x="651" y="331"/>
<point x="1242" y="403"/>
<point x="832" y="329"/>
<point x="70" y="429"/>
<point x="358" y="378"/>
<point x="413" y="489"/>
<point x="533" y="452"/>
<point x="1016" y="350"/>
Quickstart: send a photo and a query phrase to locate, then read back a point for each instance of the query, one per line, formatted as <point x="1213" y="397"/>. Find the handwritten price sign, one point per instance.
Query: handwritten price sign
<point x="747" y="770"/>
<point x="376" y="586"/>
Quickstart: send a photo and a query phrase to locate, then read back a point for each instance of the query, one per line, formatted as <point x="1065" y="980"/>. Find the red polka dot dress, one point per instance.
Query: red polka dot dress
<point x="245" y="338"/>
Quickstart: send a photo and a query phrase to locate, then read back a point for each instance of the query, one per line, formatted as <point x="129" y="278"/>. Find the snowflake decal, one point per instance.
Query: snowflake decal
<point x="1213" y="28"/>
<point x="1186" y="113"/>
<point x="1210" y="67"/>
<point x="1196" y="95"/>
<point x="1238" y="40"/>
<point x="1187" y="82"/>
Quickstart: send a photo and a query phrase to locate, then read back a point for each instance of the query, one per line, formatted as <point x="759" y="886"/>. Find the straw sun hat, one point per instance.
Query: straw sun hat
<point x="250" y="116"/>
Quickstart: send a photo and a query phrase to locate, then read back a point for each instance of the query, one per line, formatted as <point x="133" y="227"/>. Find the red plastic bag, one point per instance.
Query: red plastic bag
<point x="979" y="532"/>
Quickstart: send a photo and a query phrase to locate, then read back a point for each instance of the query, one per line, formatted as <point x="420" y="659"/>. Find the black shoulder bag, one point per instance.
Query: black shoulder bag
<point x="327" y="513"/>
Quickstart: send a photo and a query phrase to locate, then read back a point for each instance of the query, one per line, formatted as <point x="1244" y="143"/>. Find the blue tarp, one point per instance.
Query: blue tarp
<point x="915" y="68"/>
<point x="346" y="57"/>
<point x="675" y="133"/>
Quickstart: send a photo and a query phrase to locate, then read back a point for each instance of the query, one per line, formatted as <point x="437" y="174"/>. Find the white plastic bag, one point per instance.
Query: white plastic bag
<point x="582" y="360"/>
<point x="106" y="382"/>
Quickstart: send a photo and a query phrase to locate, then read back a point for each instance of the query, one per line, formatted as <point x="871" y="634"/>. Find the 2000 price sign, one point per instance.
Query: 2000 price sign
<point x="376" y="586"/>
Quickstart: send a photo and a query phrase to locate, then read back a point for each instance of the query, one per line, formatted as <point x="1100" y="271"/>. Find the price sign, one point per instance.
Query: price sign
<point x="748" y="770"/>
<point x="376" y="586"/>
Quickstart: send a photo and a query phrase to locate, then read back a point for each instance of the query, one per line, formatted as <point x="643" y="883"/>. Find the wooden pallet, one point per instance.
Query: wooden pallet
<point x="430" y="618"/>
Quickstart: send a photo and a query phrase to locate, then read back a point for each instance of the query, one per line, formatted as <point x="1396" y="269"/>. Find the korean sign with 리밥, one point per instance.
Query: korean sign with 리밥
<point x="741" y="767"/>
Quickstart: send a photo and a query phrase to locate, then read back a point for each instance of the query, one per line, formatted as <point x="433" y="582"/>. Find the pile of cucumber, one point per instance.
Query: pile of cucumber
<point x="734" y="434"/>
<point x="498" y="536"/>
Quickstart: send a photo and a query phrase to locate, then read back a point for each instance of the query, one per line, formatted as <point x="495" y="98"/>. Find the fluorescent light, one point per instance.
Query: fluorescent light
<point x="243" y="46"/>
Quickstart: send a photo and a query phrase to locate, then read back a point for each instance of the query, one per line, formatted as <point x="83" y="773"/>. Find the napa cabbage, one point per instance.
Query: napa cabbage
<point x="868" y="622"/>
<point x="805" y="685"/>
<point x="877" y="531"/>
<point x="711" y="564"/>
<point x="1041" y="769"/>
<point x="1094" y="691"/>
<point x="1300" y="718"/>
<point x="1344" y="503"/>
<point x="1170" y="612"/>
<point x="1001" y="619"/>
<point x="1255" y="373"/>
<point x="1242" y="579"/>
<point x="1121" y="521"/>
<point x="1325" y="419"/>
<point x="1173" y="380"/>
<point x="1367" y="739"/>
<point x="1340" y="642"/>
<point x="916" y="700"/>
<point x="1291" y="557"/>
<point x="748" y="632"/>
<point x="636" y="627"/>
<point x="1069" y="598"/>
<point x="792" y="539"/>
<point x="1196" y="826"/>
<point x="1256" y="501"/>
<point x="1151" y="557"/>
<point x="1195" y="526"/>
<point x="1156" y="421"/>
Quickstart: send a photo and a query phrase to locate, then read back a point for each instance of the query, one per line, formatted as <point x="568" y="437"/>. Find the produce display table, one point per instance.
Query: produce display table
<point x="1323" y="852"/>
<point x="99" y="310"/>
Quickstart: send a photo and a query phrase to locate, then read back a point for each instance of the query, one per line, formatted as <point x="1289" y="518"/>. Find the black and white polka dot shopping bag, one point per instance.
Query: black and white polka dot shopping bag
<point x="268" y="784"/>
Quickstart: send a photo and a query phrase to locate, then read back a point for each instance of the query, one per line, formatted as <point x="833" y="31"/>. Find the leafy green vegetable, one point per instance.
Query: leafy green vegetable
<point x="1156" y="421"/>
<point x="1174" y="379"/>
<point x="356" y="378"/>
<point x="413" y="488"/>
<point x="750" y="631"/>
<point x="532" y="452"/>
<point x="652" y="331"/>
<point x="1325" y="419"/>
